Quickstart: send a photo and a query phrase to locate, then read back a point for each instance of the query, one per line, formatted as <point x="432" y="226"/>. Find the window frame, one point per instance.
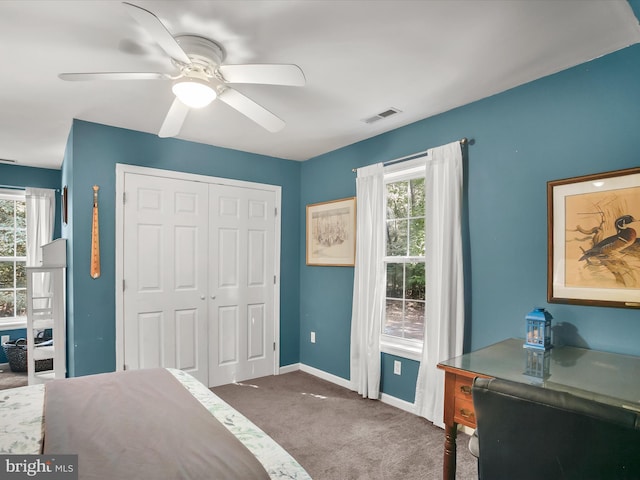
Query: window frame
<point x="14" y="322"/>
<point x="390" y="344"/>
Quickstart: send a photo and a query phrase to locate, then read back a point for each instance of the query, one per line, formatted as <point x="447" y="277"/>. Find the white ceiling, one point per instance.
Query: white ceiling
<point x="359" y="58"/>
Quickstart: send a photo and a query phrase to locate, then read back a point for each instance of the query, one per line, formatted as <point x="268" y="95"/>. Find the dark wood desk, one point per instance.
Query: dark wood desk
<point x="604" y="377"/>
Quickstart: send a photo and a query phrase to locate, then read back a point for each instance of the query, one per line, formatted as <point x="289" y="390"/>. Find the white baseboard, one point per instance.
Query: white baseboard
<point x="4" y="366"/>
<point x="384" y="398"/>
<point x="397" y="402"/>
<point x="294" y="367"/>
<point x="329" y="377"/>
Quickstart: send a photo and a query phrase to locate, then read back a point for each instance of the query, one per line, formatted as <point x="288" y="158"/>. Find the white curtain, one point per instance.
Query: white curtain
<point x="40" y="208"/>
<point x="368" y="283"/>
<point x="41" y="205"/>
<point x="444" y="313"/>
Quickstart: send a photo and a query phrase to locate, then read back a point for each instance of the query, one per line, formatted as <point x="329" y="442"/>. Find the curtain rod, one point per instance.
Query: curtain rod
<point x="463" y="141"/>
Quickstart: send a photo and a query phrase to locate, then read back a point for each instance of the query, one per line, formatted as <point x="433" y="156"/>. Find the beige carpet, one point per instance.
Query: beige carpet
<point x="9" y="379"/>
<point x="337" y="435"/>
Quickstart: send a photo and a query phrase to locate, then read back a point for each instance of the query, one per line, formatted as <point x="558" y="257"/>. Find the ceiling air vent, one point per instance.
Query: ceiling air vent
<point x="382" y="115"/>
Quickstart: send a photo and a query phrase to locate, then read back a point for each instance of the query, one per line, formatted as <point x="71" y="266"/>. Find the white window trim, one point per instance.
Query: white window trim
<point x="12" y="323"/>
<point x="403" y="347"/>
<point x="13" y="194"/>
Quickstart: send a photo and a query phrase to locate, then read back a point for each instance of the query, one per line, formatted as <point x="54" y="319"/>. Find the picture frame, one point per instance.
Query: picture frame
<point x="331" y="233"/>
<point x="593" y="237"/>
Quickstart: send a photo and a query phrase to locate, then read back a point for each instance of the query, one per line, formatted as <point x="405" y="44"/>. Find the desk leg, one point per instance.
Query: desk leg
<point x="451" y="429"/>
<point x="449" y="461"/>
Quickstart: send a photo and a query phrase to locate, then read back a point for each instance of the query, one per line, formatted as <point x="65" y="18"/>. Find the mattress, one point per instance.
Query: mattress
<point x="22" y="426"/>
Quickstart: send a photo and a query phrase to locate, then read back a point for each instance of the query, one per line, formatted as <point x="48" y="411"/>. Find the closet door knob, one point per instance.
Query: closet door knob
<point x="213" y="297"/>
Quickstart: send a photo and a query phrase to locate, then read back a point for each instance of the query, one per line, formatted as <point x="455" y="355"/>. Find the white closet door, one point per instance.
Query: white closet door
<point x="165" y="284"/>
<point x="241" y="329"/>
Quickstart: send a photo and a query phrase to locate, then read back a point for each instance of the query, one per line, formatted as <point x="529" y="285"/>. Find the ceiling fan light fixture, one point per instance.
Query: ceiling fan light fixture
<point x="194" y="92"/>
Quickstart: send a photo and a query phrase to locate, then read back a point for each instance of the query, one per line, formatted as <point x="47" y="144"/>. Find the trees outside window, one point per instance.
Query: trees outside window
<point x="405" y="259"/>
<point x="13" y="256"/>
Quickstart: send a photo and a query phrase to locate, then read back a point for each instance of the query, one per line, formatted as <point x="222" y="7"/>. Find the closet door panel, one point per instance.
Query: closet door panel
<point x="165" y="274"/>
<point x="242" y="233"/>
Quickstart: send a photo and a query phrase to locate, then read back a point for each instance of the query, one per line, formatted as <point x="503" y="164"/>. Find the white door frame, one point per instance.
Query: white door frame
<point x="121" y="170"/>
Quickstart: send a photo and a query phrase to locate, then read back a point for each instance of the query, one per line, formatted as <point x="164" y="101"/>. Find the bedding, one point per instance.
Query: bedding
<point x="22" y="426"/>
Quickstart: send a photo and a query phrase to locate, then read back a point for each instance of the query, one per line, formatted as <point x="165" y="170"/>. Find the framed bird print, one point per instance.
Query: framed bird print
<point x="594" y="239"/>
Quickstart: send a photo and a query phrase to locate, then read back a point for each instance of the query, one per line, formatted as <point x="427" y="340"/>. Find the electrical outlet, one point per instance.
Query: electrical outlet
<point x="397" y="367"/>
<point x="5" y="338"/>
<point x="313" y="337"/>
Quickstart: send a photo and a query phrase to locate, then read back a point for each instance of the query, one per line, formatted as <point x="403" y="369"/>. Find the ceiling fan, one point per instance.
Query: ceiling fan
<point x="201" y="76"/>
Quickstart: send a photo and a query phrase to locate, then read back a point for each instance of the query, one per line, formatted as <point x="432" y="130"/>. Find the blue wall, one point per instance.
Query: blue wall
<point x="580" y="121"/>
<point x="398" y="385"/>
<point x="14" y="334"/>
<point x="92" y="153"/>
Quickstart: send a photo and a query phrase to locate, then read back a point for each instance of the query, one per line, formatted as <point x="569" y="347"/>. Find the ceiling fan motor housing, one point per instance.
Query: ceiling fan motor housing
<point x="201" y="50"/>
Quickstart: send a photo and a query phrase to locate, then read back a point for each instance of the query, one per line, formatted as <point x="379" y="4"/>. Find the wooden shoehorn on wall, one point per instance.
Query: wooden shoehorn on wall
<point x="95" y="237"/>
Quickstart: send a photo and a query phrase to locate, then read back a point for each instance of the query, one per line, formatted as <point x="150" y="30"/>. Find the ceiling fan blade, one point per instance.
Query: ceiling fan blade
<point x="290" y="75"/>
<point x="252" y="110"/>
<point x="158" y="31"/>
<point x="79" y="77"/>
<point x="174" y="119"/>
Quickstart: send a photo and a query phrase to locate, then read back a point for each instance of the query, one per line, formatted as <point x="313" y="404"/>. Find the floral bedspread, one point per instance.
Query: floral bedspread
<point x="22" y="426"/>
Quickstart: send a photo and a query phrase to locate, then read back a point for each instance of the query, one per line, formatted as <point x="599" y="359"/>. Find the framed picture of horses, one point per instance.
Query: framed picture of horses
<point x="331" y="233"/>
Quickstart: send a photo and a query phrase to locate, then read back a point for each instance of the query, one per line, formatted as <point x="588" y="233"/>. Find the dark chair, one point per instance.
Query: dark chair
<point x="528" y="432"/>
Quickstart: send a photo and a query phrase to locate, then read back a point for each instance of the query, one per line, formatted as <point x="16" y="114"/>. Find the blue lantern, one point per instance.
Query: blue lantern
<point x="538" y="333"/>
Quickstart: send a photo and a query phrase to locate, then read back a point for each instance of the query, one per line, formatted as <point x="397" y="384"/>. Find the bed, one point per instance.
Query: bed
<point x="102" y="420"/>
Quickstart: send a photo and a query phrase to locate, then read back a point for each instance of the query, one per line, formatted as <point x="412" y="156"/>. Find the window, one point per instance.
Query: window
<point x="403" y="326"/>
<point x="13" y="256"/>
